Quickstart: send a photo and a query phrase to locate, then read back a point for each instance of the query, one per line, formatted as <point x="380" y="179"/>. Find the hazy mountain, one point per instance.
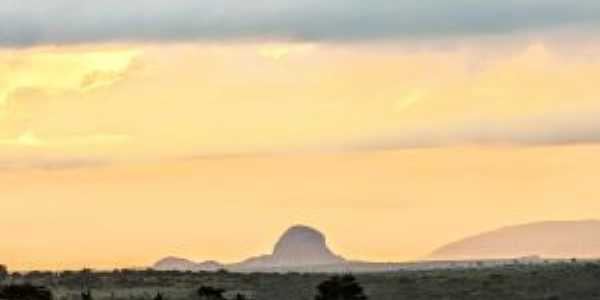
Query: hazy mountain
<point x="563" y="239"/>
<point x="299" y="246"/>
<point x="182" y="264"/>
<point x="305" y="249"/>
<point x="302" y="245"/>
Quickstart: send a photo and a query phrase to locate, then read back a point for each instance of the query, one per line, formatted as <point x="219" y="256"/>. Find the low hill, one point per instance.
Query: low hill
<point x="182" y="264"/>
<point x="560" y="239"/>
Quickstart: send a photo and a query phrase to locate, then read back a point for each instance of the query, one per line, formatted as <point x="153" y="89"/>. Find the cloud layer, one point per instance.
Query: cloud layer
<point x="117" y="104"/>
<point x="553" y="130"/>
<point x="34" y="22"/>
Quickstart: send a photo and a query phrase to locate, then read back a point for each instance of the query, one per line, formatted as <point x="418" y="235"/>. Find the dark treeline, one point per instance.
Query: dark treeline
<point x="574" y="280"/>
<point x="336" y="288"/>
<point x="25" y="292"/>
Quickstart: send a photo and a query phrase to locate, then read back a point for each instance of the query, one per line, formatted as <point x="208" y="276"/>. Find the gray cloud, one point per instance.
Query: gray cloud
<point x="33" y="22"/>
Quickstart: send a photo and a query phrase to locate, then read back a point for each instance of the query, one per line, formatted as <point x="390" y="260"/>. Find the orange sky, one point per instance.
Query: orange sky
<point x="119" y="154"/>
<point x="395" y="205"/>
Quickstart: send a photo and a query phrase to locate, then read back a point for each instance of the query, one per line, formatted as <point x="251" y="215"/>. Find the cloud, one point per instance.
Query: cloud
<point x="54" y="72"/>
<point x="551" y="130"/>
<point x="223" y="100"/>
<point x="52" y="164"/>
<point x="97" y="79"/>
<point x="407" y="101"/>
<point x="34" y="22"/>
<point x="281" y="51"/>
<point x="27" y="139"/>
<point x="31" y="139"/>
<point x="53" y="153"/>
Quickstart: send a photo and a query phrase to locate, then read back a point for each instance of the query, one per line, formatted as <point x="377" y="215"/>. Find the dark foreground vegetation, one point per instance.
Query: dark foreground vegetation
<point x="556" y="281"/>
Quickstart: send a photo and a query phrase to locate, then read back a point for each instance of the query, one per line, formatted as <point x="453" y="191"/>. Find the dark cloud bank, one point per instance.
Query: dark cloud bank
<point x="33" y="22"/>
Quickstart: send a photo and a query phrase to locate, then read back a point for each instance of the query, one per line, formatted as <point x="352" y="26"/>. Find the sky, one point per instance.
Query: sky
<point x="135" y="130"/>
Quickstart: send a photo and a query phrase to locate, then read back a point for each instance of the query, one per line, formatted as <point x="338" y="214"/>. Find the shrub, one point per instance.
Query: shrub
<point x="25" y="292"/>
<point x="340" y="288"/>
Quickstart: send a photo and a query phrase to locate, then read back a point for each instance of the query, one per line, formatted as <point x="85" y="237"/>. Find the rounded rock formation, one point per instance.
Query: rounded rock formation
<point x="303" y="245"/>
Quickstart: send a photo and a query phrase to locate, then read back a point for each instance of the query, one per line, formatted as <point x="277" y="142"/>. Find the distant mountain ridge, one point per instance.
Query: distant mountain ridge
<point x="304" y="249"/>
<point x="552" y="239"/>
<point x="300" y="246"/>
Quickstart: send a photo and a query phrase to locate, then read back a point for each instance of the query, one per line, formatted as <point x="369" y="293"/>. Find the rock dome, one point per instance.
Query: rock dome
<point x="303" y="245"/>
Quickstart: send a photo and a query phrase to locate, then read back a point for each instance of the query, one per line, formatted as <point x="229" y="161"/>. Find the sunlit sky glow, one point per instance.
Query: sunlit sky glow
<point x="394" y="128"/>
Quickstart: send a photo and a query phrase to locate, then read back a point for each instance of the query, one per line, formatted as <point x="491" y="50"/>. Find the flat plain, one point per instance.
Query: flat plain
<point x="544" y="281"/>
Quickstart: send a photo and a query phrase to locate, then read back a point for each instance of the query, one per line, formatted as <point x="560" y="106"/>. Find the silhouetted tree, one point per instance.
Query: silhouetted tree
<point x="158" y="296"/>
<point x="3" y="273"/>
<point x="240" y="297"/>
<point x="86" y="277"/>
<point x="340" y="288"/>
<point x="15" y="277"/>
<point x="210" y="293"/>
<point x="25" y="292"/>
<point x="86" y="295"/>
